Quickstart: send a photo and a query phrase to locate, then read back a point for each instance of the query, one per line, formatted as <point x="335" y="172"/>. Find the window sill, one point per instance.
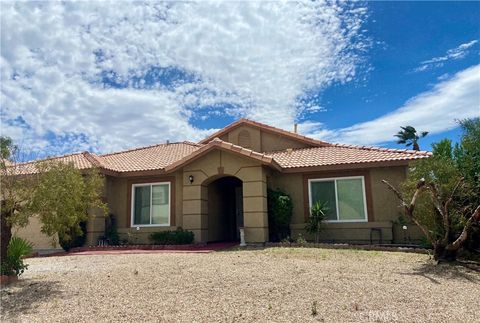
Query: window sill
<point x="133" y="226"/>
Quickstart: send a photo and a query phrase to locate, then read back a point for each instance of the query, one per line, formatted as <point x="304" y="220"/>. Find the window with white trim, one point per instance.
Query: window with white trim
<point x="151" y="204"/>
<point x="344" y="197"/>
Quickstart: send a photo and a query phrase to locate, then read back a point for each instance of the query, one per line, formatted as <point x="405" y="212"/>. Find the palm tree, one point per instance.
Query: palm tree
<point x="409" y="136"/>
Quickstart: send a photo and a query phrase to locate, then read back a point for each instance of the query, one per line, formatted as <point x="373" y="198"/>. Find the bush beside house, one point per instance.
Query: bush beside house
<point x="178" y="237"/>
<point x="280" y="209"/>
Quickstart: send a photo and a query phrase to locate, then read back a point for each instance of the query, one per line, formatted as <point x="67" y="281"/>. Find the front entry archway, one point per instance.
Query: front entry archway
<point x="225" y="209"/>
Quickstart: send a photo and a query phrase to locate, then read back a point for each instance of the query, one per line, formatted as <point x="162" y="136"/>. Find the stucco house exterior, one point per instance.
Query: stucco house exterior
<point x="219" y="184"/>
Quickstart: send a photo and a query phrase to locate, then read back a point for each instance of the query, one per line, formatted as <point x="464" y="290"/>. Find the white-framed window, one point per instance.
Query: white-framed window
<point x="151" y="204"/>
<point x="344" y="196"/>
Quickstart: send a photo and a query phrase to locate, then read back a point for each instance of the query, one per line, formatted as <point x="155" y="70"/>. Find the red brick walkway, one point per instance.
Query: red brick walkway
<point x="113" y="250"/>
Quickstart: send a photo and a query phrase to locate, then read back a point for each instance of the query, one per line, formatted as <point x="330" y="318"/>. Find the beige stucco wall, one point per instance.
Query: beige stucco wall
<point x="272" y="142"/>
<point x="32" y="233"/>
<point x="255" y="137"/>
<point x="384" y="206"/>
<point x="118" y="197"/>
<point x="262" y="141"/>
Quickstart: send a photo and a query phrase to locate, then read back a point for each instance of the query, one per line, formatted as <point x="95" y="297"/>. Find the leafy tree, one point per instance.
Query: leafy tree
<point x="62" y="198"/>
<point x="467" y="158"/>
<point x="443" y="191"/>
<point x="318" y="215"/>
<point x="14" y="191"/>
<point x="59" y="194"/>
<point x="409" y="136"/>
<point x="467" y="154"/>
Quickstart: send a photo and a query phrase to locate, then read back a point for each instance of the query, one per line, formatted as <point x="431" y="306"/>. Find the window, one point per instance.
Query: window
<point x="344" y="196"/>
<point x="151" y="204"/>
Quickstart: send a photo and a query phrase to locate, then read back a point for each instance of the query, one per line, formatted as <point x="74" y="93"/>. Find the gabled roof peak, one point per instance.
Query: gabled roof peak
<point x="265" y="127"/>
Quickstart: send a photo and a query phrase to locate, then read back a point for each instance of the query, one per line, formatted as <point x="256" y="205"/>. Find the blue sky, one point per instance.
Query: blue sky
<point x="405" y="34"/>
<point x="89" y="76"/>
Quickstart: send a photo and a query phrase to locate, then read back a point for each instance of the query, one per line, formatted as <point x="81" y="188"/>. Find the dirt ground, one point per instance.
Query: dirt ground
<point x="270" y="285"/>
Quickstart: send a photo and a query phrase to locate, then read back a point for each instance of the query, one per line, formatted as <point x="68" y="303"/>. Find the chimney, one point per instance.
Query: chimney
<point x="295" y="126"/>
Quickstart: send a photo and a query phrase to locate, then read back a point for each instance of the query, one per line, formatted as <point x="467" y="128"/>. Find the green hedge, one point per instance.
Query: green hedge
<point x="172" y="237"/>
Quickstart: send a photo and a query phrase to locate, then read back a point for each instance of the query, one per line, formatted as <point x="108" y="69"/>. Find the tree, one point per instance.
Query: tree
<point x="14" y="191"/>
<point x="441" y="193"/>
<point x="409" y="136"/>
<point x="58" y="193"/>
<point x="63" y="197"/>
<point x="466" y="155"/>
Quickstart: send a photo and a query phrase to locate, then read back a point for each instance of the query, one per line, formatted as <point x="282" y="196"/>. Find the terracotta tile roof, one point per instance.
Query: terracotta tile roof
<point x="172" y="156"/>
<point x="80" y="160"/>
<point x="217" y="143"/>
<point x="338" y="154"/>
<point x="147" y="158"/>
<point x="289" y="134"/>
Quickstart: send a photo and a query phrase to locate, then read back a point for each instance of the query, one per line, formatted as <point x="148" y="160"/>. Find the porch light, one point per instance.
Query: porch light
<point x="190" y="179"/>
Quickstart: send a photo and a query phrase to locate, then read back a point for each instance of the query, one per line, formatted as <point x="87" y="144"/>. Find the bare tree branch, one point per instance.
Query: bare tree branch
<point x="409" y="207"/>
<point x="475" y="217"/>
<point x="446" y="217"/>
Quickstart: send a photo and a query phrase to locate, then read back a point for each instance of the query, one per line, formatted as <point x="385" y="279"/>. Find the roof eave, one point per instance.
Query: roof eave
<point x="339" y="167"/>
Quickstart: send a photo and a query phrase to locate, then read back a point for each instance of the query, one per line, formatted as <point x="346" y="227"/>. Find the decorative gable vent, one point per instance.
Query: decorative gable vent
<point x="244" y="139"/>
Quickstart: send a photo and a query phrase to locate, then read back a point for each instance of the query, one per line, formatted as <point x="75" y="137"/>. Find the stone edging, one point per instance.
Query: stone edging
<point x="393" y="248"/>
<point x="139" y="247"/>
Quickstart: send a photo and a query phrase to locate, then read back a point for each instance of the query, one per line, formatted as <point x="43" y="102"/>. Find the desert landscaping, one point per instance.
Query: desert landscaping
<point x="266" y="285"/>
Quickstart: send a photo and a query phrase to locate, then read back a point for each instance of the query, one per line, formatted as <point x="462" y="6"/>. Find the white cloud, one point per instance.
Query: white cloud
<point x="452" y="54"/>
<point x="434" y="111"/>
<point x="260" y="58"/>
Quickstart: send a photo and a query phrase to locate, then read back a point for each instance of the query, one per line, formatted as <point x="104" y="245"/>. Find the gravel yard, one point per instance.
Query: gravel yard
<point x="270" y="285"/>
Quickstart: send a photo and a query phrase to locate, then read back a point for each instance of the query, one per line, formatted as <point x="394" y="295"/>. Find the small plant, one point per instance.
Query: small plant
<point x="301" y="240"/>
<point x="318" y="215"/>
<point x="17" y="249"/>
<point x="286" y="242"/>
<point x="314" y="308"/>
<point x="172" y="237"/>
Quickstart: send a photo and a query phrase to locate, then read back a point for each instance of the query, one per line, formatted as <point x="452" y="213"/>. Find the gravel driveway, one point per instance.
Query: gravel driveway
<point x="271" y="285"/>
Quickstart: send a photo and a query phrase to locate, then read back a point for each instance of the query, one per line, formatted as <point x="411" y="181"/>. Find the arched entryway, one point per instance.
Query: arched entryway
<point x="225" y="209"/>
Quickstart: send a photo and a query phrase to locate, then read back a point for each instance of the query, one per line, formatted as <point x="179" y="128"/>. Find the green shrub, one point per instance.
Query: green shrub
<point x="172" y="237"/>
<point x="111" y="232"/>
<point x="17" y="249"/>
<point x="280" y="210"/>
<point x="77" y="241"/>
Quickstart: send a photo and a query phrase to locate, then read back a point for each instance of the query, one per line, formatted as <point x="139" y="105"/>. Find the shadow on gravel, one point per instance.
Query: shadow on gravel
<point x="459" y="270"/>
<point x="25" y="295"/>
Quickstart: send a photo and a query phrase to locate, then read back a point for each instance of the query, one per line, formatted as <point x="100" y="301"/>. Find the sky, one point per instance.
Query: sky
<point x="104" y="76"/>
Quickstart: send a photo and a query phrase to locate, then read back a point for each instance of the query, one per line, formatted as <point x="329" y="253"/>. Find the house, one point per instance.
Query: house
<point x="219" y="184"/>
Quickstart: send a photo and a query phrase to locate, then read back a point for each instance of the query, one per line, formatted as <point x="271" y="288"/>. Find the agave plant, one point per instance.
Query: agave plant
<point x="17" y="249"/>
<point x="318" y="214"/>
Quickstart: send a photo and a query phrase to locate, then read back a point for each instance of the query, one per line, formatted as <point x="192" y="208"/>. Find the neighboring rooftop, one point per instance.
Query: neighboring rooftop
<point x="171" y="156"/>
